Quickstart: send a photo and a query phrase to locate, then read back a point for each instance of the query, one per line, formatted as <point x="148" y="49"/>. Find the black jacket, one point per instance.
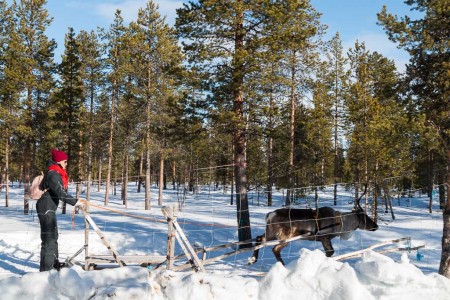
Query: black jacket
<point x="55" y="191"/>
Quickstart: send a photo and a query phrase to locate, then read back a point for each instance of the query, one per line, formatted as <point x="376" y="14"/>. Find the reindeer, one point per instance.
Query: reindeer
<point x="323" y="225"/>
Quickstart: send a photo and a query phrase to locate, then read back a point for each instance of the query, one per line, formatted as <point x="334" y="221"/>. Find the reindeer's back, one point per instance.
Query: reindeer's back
<point x="329" y="220"/>
<point x="284" y="223"/>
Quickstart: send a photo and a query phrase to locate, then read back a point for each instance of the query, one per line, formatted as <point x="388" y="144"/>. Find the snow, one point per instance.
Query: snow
<point x="208" y="219"/>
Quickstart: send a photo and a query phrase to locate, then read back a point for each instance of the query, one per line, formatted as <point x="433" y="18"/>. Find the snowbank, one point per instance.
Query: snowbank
<point x="312" y="276"/>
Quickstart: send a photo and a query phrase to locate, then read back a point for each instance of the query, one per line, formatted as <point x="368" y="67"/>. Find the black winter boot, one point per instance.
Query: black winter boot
<point x="58" y="265"/>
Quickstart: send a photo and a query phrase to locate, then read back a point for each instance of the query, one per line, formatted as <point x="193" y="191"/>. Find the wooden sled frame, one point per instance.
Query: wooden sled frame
<point x="92" y="261"/>
<point x="175" y="233"/>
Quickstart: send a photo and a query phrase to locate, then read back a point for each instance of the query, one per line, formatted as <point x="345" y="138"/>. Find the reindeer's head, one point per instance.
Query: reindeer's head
<point x="364" y="221"/>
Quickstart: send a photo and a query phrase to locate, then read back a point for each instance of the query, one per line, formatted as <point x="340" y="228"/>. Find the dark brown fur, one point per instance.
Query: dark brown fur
<point x="321" y="225"/>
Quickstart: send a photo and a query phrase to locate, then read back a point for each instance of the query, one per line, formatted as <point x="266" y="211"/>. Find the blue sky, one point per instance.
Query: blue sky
<point x="353" y="19"/>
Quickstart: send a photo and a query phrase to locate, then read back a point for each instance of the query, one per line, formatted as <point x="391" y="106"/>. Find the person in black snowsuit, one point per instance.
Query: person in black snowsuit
<point x="55" y="185"/>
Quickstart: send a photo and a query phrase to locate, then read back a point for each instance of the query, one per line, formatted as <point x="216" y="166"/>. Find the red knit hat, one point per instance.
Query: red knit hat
<point x="58" y="155"/>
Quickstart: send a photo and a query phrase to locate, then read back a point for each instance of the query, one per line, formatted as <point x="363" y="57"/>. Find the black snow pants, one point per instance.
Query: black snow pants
<point x="49" y="236"/>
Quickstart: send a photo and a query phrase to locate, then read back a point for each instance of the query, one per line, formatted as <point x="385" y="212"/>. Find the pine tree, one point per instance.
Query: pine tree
<point x="300" y="34"/>
<point x="378" y="122"/>
<point x="388" y="129"/>
<point x="339" y="86"/>
<point x="116" y="77"/>
<point x="70" y="106"/>
<point x="157" y="59"/>
<point x="90" y="52"/>
<point x="9" y="86"/>
<point x="320" y="128"/>
<point x="427" y="40"/>
<point x="265" y="94"/>
<point x="224" y="39"/>
<point x="70" y="94"/>
<point x="37" y="79"/>
<point x="359" y="101"/>
<point x="127" y="108"/>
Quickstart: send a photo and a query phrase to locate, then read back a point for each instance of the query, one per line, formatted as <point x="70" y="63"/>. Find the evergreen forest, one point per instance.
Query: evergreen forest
<point x="241" y="95"/>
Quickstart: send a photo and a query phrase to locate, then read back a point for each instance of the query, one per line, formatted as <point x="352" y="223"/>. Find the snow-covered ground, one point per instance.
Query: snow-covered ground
<point x="208" y="219"/>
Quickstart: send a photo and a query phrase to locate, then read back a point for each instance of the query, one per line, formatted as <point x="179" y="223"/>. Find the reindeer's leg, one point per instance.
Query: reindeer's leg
<point x="259" y="239"/>
<point x="326" y="243"/>
<point x="277" y="252"/>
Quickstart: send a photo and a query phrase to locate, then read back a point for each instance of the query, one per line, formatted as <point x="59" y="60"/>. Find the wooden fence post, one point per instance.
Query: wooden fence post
<point x="176" y="231"/>
<point x="171" y="214"/>
<point x="86" y="235"/>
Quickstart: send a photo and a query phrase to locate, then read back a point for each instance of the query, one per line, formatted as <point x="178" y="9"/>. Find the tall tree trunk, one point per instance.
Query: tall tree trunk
<point x="69" y="148"/>
<point x="165" y="181"/>
<point x="161" y="179"/>
<point x="444" y="267"/>
<point x="90" y="147"/>
<point x="147" y="175"/>
<point x="232" y="176"/>
<point x="240" y="165"/>
<point x="115" y="180"/>
<point x="375" y="194"/>
<point x="357" y="183"/>
<point x="442" y="196"/>
<point x="243" y="215"/>
<point x="291" y="138"/>
<point x="7" y="168"/>
<point x="147" y="153"/>
<point x="26" y="178"/>
<point x="99" y="183"/>
<point x="174" y="178"/>
<point x="110" y="147"/>
<point x="89" y="174"/>
<point x="430" y="180"/>
<point x="124" y="192"/>
<point x="270" y="125"/>
<point x="270" y="171"/>
<point x="80" y="177"/>
<point x="270" y="179"/>
<point x="141" y="167"/>
<point x="27" y="155"/>
<point x="147" y="140"/>
<point x="336" y="154"/>
<point x="122" y="180"/>
<point x="125" y="177"/>
<point x="316" y="200"/>
<point x="2" y="178"/>
<point x="191" y="178"/>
